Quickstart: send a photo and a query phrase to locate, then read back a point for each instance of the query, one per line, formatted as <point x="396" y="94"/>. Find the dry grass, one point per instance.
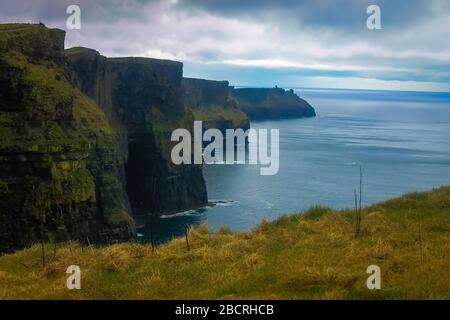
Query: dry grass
<point x="314" y="255"/>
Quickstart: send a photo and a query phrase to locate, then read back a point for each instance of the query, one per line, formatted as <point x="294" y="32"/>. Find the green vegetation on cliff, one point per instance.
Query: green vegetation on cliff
<point x="213" y="116"/>
<point x="311" y="255"/>
<point x="56" y="148"/>
<point x="211" y="103"/>
<point x="33" y="40"/>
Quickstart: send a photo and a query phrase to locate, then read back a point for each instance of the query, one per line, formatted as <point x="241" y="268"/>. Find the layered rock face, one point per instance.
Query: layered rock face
<point x="271" y="103"/>
<point x="143" y="98"/>
<point x="60" y="162"/>
<point x="211" y="103"/>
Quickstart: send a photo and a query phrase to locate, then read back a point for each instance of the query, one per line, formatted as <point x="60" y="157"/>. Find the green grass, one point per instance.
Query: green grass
<point x="31" y="39"/>
<point x="8" y="27"/>
<point x="314" y="255"/>
<point x="77" y="50"/>
<point x="220" y="113"/>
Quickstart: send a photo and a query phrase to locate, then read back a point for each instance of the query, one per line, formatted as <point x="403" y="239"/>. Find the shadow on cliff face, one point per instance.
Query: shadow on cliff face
<point x="142" y="183"/>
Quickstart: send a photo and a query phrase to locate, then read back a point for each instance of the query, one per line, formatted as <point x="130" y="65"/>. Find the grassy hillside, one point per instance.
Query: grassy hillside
<point x="312" y="255"/>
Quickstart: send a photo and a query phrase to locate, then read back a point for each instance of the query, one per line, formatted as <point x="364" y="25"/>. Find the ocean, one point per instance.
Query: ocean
<point x="400" y="139"/>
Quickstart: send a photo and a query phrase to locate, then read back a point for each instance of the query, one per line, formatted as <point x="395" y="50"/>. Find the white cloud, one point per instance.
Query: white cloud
<point x="368" y="83"/>
<point x="280" y="63"/>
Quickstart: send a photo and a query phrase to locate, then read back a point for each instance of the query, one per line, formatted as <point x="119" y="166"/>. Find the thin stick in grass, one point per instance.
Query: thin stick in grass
<point x="186" y="232"/>
<point x="151" y="233"/>
<point x="43" y="253"/>
<point x="356" y="215"/>
<point x="420" y="239"/>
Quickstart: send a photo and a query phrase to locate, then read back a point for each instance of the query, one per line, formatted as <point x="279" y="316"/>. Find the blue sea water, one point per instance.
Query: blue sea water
<point x="401" y="140"/>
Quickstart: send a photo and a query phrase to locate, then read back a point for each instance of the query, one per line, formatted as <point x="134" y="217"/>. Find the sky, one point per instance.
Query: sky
<point x="318" y="44"/>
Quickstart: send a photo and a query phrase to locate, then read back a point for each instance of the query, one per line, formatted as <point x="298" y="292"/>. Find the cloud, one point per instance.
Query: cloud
<point x="365" y="83"/>
<point x="285" y="38"/>
<point x="336" y="14"/>
<point x="279" y="63"/>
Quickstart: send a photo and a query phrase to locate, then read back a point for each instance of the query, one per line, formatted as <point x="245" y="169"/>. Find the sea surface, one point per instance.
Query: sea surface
<point x="400" y="139"/>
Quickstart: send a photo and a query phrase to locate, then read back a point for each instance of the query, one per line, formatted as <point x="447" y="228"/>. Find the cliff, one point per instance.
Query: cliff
<point x="34" y="41"/>
<point x="59" y="157"/>
<point x="143" y="98"/>
<point x="210" y="102"/>
<point x="271" y="103"/>
<point x="85" y="139"/>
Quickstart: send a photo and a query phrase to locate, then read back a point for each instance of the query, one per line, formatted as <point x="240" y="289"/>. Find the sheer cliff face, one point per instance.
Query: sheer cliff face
<point x="59" y="157"/>
<point x="143" y="99"/>
<point x="210" y="102"/>
<point x="271" y="103"/>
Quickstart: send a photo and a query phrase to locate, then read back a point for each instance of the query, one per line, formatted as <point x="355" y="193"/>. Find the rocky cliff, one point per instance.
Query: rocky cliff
<point x="85" y="139"/>
<point x="143" y="98"/>
<point x="271" y="103"/>
<point x="210" y="102"/>
<point x="59" y="159"/>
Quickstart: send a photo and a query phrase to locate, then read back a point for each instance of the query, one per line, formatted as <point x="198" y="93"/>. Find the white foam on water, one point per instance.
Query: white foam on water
<point x="190" y="212"/>
<point x="193" y="212"/>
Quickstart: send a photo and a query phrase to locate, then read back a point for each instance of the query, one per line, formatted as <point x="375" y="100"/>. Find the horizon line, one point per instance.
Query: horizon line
<point x="338" y="89"/>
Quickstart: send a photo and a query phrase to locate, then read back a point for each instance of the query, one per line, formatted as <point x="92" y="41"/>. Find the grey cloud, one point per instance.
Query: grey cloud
<point x="342" y="14"/>
<point x="414" y="43"/>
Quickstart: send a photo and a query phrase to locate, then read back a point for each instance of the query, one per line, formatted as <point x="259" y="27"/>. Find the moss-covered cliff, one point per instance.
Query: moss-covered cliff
<point x="59" y="157"/>
<point x="271" y="103"/>
<point x="143" y="98"/>
<point x="210" y="102"/>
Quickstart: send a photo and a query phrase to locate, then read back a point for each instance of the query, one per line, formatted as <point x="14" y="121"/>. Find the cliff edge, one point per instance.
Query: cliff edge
<point x="271" y="103"/>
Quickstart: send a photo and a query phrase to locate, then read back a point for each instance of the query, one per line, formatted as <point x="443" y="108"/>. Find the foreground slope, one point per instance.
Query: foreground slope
<point x="314" y="255"/>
